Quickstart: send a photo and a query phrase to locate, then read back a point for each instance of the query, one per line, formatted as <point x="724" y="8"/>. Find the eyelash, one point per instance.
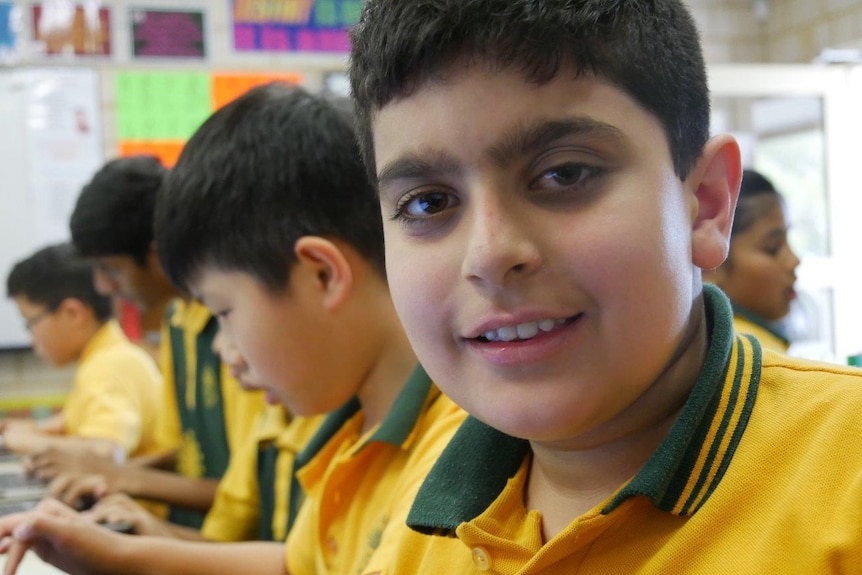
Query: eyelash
<point x="585" y="175"/>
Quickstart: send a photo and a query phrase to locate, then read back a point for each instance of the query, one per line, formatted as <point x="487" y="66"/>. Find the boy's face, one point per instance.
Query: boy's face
<point x="538" y="246"/>
<point x="271" y="341"/>
<point x="761" y="272"/>
<point x="125" y="277"/>
<point x="49" y="331"/>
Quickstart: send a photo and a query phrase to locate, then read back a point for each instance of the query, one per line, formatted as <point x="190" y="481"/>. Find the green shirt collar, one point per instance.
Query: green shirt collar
<point x="395" y="427"/>
<point x="679" y="477"/>
<point x="761" y="322"/>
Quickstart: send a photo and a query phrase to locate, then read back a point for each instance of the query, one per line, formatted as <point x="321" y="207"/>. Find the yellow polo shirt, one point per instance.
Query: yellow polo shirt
<point x="116" y="393"/>
<point x="253" y="501"/>
<point x="205" y="414"/>
<point x="760" y="474"/>
<point x="359" y="489"/>
<point x="768" y="336"/>
<point x="239" y="408"/>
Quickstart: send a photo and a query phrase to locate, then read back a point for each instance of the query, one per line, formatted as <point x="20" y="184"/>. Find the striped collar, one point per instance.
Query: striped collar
<point x="678" y="478"/>
<point x="396" y="427"/>
<point x="772" y="328"/>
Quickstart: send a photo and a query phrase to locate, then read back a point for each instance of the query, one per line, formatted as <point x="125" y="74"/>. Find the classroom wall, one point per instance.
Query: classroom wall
<point x="733" y="31"/>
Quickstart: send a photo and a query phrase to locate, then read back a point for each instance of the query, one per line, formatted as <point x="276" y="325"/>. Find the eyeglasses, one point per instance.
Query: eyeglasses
<point x="29" y="323"/>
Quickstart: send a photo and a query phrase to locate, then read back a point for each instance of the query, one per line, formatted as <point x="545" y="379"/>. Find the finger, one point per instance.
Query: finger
<point x="15" y="552"/>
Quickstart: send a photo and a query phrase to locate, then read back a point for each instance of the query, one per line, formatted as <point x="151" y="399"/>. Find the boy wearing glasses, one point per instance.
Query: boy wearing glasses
<point x="113" y="402"/>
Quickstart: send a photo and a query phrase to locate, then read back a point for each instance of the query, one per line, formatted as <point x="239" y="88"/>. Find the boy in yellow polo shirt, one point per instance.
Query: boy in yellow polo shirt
<point x="759" y="273"/>
<point x="204" y="414"/>
<point x="257" y="498"/>
<point x="550" y="195"/>
<point x="113" y="401"/>
<point x="289" y="257"/>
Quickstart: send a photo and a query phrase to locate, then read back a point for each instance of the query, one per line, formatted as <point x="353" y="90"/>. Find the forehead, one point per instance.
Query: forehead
<point x="472" y="106"/>
<point x="25" y="304"/>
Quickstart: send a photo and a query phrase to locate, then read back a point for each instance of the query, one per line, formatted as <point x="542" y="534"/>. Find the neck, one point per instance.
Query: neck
<point x="566" y="481"/>
<point x="395" y="362"/>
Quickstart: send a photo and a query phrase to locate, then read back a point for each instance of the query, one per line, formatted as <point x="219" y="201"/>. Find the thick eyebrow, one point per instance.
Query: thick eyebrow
<point x="516" y="143"/>
<point x="523" y="141"/>
<point x="416" y="166"/>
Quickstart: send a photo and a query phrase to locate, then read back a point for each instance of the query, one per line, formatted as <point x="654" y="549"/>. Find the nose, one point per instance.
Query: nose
<point x="229" y="354"/>
<point x="500" y="247"/>
<point x="792" y="260"/>
<point x="104" y="284"/>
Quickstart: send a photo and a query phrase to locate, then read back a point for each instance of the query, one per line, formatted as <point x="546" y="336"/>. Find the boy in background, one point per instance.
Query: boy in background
<point x="759" y="273"/>
<point x="550" y="196"/>
<point x="289" y="256"/>
<point x="204" y="413"/>
<point x="258" y="496"/>
<point x="113" y="402"/>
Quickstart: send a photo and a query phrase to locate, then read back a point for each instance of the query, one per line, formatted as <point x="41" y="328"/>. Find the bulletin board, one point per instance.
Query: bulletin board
<point x="158" y="111"/>
<point x="50" y="146"/>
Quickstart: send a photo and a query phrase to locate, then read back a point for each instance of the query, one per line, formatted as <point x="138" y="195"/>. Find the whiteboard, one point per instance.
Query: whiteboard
<point x="50" y="146"/>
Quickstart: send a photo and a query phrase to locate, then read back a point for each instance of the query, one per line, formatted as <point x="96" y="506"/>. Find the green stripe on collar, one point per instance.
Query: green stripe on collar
<point x="762" y="323"/>
<point x="470" y="473"/>
<point x="334" y="421"/>
<point x="405" y="411"/>
<point x="691" y="460"/>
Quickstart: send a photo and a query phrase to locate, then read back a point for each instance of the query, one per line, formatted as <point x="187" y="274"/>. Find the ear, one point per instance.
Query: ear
<point x="327" y="266"/>
<point x="715" y="181"/>
<point x="73" y="308"/>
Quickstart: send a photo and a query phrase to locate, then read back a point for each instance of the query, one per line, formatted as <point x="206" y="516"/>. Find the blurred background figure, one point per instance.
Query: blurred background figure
<point x="759" y="274"/>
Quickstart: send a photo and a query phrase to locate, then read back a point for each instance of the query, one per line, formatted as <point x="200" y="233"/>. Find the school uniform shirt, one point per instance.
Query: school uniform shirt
<point x="359" y="489"/>
<point x="205" y="413"/>
<point x="770" y="336"/>
<point x="115" y="394"/>
<point x="761" y="473"/>
<point x="253" y="501"/>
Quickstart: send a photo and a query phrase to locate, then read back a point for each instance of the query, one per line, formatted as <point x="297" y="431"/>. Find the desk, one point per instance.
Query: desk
<point x="31" y="565"/>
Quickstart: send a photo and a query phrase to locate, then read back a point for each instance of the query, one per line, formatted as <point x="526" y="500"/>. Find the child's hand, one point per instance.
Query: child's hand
<point x="79" y="490"/>
<point x="62" y="537"/>
<point x="52" y="462"/>
<point x="119" y="508"/>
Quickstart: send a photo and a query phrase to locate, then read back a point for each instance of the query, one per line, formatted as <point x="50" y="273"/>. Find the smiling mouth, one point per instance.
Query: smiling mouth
<point x="525" y="331"/>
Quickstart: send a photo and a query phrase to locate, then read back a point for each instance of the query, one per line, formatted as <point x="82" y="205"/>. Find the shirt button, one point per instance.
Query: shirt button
<point x="332" y="545"/>
<point x="481" y="558"/>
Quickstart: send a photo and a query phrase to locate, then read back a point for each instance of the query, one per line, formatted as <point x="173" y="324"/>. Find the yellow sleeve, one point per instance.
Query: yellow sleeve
<point x="235" y="512"/>
<point x="112" y="397"/>
<point x="168" y="432"/>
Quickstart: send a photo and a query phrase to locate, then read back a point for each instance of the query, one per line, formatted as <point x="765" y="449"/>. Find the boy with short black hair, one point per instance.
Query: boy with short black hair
<point x="269" y="218"/>
<point x="113" y="401"/>
<point x="550" y="196"/>
<point x="204" y="413"/>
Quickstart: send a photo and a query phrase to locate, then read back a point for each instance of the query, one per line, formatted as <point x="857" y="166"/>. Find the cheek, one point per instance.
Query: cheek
<point x="419" y="288"/>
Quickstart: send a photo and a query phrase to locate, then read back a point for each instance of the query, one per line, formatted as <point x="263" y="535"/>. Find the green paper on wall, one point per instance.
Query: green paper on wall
<point x="161" y="105"/>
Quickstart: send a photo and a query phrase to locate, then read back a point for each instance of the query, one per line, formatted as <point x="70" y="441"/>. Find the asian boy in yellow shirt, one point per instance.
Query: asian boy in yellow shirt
<point x="289" y="257"/>
<point x="113" y="402"/>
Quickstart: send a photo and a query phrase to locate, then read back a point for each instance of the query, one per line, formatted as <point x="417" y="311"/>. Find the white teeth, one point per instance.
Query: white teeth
<point x="528" y="330"/>
<point x="522" y="331"/>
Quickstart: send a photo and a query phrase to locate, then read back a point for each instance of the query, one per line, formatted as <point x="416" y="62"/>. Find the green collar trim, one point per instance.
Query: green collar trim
<point x="679" y="477"/>
<point x="395" y="427"/>
<point x="398" y="424"/>
<point x="760" y="322"/>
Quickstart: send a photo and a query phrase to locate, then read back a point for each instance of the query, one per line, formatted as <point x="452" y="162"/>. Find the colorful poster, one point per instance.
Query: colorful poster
<point x="293" y="25"/>
<point x="228" y="86"/>
<point x="9" y="22"/>
<point x="168" y="34"/>
<point x="62" y="27"/>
